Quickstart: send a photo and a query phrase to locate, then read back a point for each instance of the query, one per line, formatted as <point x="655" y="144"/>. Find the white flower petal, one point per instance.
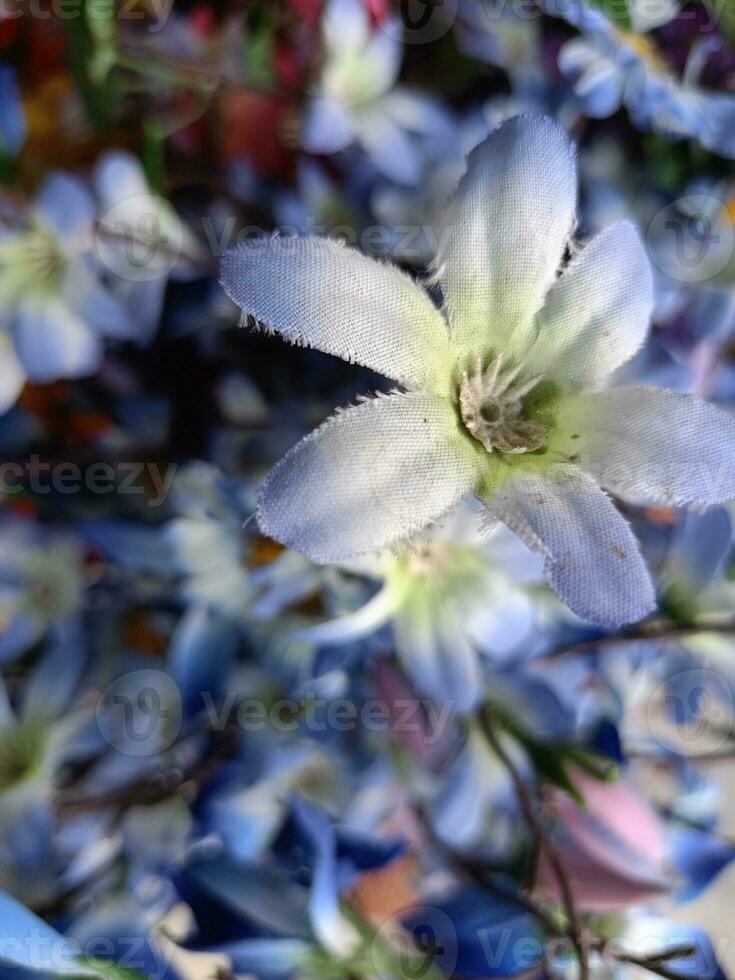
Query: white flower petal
<point x="389" y="147"/>
<point x="652" y="443"/>
<point x="346" y="25"/>
<point x="596" y="316"/>
<point x="327" y="126"/>
<point x="318" y="293"/>
<point x="12" y="375"/>
<point x="592" y="559"/>
<point x="96" y="305"/>
<point x="368" y="477"/>
<point x="351" y="626"/>
<point x="505" y="233"/>
<point x="438" y="655"/>
<point x="65" y="206"/>
<point x="53" y="342"/>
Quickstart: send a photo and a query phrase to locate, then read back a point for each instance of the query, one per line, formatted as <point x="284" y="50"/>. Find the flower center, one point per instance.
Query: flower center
<point x="492" y="403"/>
<point x="30" y="263"/>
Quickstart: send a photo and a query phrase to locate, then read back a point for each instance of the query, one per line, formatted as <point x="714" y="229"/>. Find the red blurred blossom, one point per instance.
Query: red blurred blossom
<point x="613" y="848"/>
<point x="308" y="10"/>
<point x="203" y="20"/>
<point x="252" y="125"/>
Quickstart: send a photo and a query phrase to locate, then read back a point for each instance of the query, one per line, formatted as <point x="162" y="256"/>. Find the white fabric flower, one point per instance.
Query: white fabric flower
<point x="356" y="101"/>
<point x="499" y="385"/>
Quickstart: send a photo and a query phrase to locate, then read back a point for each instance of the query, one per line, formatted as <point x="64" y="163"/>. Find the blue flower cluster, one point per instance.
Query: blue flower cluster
<point x="430" y="758"/>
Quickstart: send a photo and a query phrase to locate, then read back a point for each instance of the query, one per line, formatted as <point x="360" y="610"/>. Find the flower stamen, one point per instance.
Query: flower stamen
<point x="492" y="407"/>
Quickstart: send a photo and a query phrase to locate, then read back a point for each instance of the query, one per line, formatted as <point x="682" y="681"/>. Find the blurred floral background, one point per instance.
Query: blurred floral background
<point x="217" y="758"/>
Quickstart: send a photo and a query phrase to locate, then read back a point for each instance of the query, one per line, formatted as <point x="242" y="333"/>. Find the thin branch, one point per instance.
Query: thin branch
<point x="655" y="629"/>
<point x="528" y="808"/>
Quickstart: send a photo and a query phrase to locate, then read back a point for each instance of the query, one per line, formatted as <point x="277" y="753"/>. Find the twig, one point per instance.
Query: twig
<point x="653" y="630"/>
<point x="528" y="808"/>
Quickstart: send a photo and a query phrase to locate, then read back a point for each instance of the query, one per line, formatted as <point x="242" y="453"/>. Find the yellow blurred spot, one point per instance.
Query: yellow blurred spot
<point x="728" y="211"/>
<point x="645" y="48"/>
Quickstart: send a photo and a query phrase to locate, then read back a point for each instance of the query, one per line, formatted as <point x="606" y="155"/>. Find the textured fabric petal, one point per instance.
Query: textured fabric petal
<point x="592" y="559"/>
<point x="52" y="342"/>
<point x="652" y="443"/>
<point x="12" y="375"/>
<point x="596" y="316"/>
<point x="505" y="233"/>
<point x="368" y="477"/>
<point x="318" y="293"/>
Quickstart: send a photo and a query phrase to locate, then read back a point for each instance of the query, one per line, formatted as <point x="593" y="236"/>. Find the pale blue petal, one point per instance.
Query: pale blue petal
<point x="389" y="147"/>
<point x="318" y="293"/>
<point x="327" y="127"/>
<point x="652" y="443"/>
<point x="66" y="207"/>
<point x="505" y="233"/>
<point x="442" y="661"/>
<point x="368" y="477"/>
<point x="593" y="562"/>
<point x="351" y="626"/>
<point x="52" y="342"/>
<point x="596" y="316"/>
<point x="12" y="373"/>
<point x="96" y="305"/>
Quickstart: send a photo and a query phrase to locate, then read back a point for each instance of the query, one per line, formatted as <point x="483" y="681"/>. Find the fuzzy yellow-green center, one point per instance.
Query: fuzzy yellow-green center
<point x="31" y="263"/>
<point x="494" y="406"/>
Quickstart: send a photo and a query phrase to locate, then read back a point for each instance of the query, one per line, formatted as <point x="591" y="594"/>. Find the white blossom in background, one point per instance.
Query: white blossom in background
<point x="356" y="99"/>
<point x="452" y="597"/>
<point x="55" y="308"/>
<point x="500" y="385"/>
<point x="141" y="240"/>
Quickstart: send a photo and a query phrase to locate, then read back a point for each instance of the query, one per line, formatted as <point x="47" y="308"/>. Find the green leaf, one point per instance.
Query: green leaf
<point x="110" y="971"/>
<point x="89" y="70"/>
<point x="101" y="17"/>
<point x="616" y="10"/>
<point x="260" y="55"/>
